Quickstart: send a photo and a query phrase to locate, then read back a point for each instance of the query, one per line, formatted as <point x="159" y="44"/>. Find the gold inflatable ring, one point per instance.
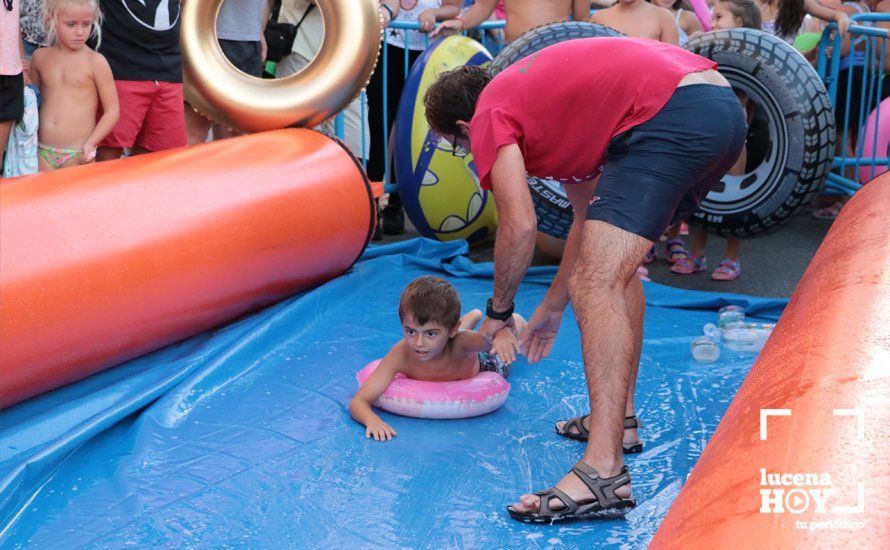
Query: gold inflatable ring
<point x="353" y="30"/>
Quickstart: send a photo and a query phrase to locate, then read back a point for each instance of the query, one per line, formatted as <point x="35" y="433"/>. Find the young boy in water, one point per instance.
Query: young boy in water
<point x="438" y="346"/>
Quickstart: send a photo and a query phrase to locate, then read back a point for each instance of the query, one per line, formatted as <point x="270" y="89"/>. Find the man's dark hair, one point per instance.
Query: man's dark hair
<point x="453" y="97"/>
<point x="433" y="299"/>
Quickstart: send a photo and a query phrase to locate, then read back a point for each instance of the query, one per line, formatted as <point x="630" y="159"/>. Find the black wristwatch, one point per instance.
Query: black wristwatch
<point x="498" y="315"/>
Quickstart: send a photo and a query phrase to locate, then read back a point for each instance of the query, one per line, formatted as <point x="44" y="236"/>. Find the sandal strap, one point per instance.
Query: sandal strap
<point x="631" y="422"/>
<point x="553" y="492"/>
<point x="578" y="424"/>
<point x="603" y="488"/>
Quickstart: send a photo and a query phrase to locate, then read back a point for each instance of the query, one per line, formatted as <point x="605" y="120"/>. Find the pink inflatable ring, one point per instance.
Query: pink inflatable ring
<point x="479" y="395"/>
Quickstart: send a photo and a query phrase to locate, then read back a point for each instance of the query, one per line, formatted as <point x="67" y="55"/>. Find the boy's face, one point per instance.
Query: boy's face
<point x="426" y="341"/>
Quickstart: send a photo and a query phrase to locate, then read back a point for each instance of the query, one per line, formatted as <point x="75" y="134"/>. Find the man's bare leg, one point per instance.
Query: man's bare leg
<point x="580" y="196"/>
<point x="607" y="261"/>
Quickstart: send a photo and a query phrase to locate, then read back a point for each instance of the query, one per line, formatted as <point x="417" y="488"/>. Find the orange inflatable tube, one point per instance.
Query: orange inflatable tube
<point x="800" y="459"/>
<point x="105" y="262"/>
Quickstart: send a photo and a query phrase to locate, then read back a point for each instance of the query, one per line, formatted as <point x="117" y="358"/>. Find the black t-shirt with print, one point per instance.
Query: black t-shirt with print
<point x="140" y="39"/>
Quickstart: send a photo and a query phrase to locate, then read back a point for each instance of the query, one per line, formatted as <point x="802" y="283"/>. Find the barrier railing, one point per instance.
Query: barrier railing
<point x="493" y="45"/>
<point x="862" y="147"/>
<point x="862" y="140"/>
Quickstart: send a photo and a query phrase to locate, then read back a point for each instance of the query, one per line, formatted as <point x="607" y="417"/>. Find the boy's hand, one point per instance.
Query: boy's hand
<point x="379" y="430"/>
<point x="505" y="345"/>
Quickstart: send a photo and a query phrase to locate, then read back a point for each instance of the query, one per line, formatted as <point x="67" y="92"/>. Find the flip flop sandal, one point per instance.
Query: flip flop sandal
<point x="675" y="250"/>
<point x="630" y="422"/>
<point x="604" y="504"/>
<point x="727" y="271"/>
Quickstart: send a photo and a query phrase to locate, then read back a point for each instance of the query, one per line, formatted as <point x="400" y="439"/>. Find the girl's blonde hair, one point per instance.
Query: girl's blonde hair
<point x="51" y="12"/>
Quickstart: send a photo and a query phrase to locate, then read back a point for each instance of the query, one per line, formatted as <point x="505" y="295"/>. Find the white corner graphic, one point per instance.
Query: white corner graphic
<point x="860" y="502"/>
<point x="860" y="419"/>
<point x="765" y="413"/>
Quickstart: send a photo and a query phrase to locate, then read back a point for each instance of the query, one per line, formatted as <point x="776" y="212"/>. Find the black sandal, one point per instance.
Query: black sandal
<point x="581" y="433"/>
<point x="604" y="504"/>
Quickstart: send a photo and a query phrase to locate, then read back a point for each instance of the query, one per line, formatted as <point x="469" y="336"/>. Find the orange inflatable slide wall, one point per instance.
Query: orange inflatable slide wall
<point x="105" y="262"/>
<point x="800" y="460"/>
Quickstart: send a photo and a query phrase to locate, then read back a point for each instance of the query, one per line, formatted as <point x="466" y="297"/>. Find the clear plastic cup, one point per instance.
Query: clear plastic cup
<point x="705" y="350"/>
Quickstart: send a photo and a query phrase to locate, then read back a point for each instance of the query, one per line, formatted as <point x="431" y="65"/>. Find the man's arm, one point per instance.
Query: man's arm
<point x="515" y="241"/>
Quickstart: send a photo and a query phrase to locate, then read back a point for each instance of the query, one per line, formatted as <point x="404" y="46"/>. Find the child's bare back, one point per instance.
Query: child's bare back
<point x="640" y="19"/>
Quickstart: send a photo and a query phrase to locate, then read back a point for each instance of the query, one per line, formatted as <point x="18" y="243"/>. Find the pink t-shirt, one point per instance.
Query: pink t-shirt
<point x="10" y="36"/>
<point x="564" y="104"/>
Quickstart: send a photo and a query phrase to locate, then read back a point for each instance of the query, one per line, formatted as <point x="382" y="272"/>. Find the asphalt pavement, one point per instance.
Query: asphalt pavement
<point x="772" y="264"/>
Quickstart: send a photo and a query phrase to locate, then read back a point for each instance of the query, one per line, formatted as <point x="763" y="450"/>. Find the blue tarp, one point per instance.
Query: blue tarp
<point x="241" y="436"/>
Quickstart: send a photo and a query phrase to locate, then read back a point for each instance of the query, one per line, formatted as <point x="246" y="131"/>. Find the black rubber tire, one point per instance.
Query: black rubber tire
<point x="795" y="118"/>
<point x="552" y="207"/>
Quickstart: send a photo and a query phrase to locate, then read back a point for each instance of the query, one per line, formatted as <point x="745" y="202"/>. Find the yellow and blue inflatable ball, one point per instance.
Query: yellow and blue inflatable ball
<point x="440" y="191"/>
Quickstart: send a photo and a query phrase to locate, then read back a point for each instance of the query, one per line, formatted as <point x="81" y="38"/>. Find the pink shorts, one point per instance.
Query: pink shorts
<point x="152" y="116"/>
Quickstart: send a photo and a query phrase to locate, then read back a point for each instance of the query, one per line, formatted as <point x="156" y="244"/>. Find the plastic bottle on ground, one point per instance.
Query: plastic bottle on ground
<point x="730" y="315"/>
<point x="705" y="350"/>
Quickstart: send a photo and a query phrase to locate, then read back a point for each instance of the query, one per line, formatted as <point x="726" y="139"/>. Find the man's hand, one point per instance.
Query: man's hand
<point x="537" y="339"/>
<point x="447" y="28"/>
<point x="490" y="327"/>
<point x="379" y="430"/>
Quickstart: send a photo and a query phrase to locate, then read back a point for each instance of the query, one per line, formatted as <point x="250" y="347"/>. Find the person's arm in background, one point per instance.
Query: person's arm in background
<point x="580" y="10"/>
<point x="267" y="10"/>
<point x="448" y="10"/>
<point x="814" y="8"/>
<point x="600" y="5"/>
<point x="390" y="12"/>
<point x="26" y="63"/>
<point x="474" y="16"/>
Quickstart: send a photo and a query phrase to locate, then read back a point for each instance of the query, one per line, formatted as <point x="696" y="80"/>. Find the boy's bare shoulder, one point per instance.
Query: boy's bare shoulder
<point x="399" y="357"/>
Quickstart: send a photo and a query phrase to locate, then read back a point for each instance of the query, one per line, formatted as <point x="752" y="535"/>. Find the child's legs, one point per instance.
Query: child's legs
<point x="5" y="130"/>
<point x="470" y="320"/>
<point x="196" y="126"/>
<point x="732" y="248"/>
<point x="699" y="240"/>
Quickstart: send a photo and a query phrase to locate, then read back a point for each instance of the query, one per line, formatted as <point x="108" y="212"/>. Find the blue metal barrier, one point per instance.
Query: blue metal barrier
<point x="852" y="167"/>
<point x="493" y="46"/>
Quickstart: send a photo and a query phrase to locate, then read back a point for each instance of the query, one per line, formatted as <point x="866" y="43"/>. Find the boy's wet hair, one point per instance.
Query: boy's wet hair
<point x="430" y="298"/>
<point x="453" y="97"/>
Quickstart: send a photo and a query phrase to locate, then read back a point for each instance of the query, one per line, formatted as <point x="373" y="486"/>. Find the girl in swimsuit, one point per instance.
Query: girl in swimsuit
<point x="75" y="82"/>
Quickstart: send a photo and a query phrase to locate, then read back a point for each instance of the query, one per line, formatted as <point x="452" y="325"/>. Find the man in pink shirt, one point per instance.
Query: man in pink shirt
<point x="660" y="127"/>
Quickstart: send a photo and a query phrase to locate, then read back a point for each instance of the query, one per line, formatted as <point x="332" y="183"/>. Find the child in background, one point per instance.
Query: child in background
<point x="784" y="18"/>
<point x="688" y="23"/>
<point x="728" y="14"/>
<point x="75" y="82"/>
<point x="639" y="19"/>
<point x="438" y="345"/>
